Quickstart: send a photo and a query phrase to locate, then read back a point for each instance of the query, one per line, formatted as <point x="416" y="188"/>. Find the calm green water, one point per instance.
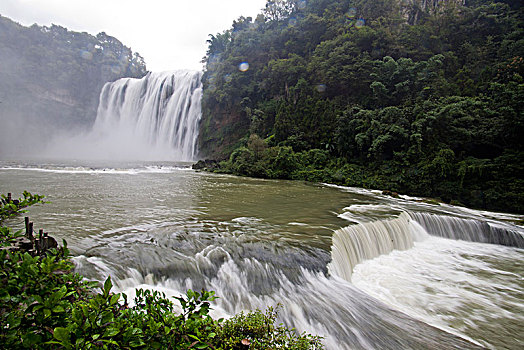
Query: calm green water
<point x="258" y="243"/>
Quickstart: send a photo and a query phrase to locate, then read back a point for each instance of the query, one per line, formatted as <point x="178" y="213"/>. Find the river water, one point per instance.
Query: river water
<point x="318" y="250"/>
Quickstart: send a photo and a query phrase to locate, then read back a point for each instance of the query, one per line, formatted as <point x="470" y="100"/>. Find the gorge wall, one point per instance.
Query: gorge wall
<point x="50" y="79"/>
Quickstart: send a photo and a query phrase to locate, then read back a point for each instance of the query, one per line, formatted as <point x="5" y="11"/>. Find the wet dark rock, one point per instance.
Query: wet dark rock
<point x="207" y="164"/>
<point x="390" y="193"/>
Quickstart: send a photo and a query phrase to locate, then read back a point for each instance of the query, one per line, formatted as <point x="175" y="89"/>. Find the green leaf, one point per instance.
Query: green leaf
<point x="194" y="337"/>
<point x="107" y="316"/>
<point x="58" y="309"/>
<point x="30" y="339"/>
<point x="136" y="343"/>
<point x="111" y="332"/>
<point x="60" y="294"/>
<point x="107" y="286"/>
<point x="13" y="321"/>
<point x="61" y="334"/>
<point x="114" y="299"/>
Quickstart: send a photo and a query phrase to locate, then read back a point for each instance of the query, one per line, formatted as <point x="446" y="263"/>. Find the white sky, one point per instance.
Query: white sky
<point x="169" y="34"/>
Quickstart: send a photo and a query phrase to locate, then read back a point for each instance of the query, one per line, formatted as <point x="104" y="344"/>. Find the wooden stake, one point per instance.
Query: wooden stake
<point x="30" y="232"/>
<point x="26" y="219"/>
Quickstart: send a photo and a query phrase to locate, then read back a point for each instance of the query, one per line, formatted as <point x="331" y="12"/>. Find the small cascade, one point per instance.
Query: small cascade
<point x="468" y="230"/>
<point x="157" y="115"/>
<point x="356" y="243"/>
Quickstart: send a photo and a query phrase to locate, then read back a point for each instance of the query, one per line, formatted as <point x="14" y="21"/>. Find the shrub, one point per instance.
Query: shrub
<point x="45" y="305"/>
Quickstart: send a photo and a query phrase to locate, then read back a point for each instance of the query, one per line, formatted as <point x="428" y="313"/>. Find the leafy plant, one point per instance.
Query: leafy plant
<point x="10" y="208"/>
<point x="45" y="305"/>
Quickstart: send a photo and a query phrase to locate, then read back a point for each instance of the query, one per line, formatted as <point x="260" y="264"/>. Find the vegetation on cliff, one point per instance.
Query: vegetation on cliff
<point x="417" y="97"/>
<point x="50" y="77"/>
<point x="45" y="305"/>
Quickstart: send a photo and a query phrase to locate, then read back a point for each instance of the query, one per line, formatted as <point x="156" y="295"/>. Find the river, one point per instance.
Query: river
<point x="260" y="243"/>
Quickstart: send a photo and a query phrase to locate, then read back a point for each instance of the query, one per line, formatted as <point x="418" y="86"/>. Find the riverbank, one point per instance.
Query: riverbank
<point x="439" y="180"/>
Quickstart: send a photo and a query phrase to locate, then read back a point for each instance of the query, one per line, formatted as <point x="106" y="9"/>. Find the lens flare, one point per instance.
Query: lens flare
<point x="302" y="4"/>
<point x="360" y="23"/>
<point x="321" y="88"/>
<point x="352" y="12"/>
<point x="292" y="22"/>
<point x="86" y="55"/>
<point x="243" y="67"/>
<point x="116" y="69"/>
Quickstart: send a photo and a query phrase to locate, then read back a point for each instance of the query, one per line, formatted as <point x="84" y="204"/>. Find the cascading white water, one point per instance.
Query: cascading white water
<point x="427" y="265"/>
<point x="260" y="243"/>
<point x="468" y="230"/>
<point x="356" y="243"/>
<point x="154" y="117"/>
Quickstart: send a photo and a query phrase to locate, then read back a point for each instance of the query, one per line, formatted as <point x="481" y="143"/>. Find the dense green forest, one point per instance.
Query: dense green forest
<point x="418" y="97"/>
<point x="50" y="77"/>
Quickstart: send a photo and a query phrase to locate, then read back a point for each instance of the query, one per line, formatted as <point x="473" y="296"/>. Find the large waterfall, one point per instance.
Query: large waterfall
<point x="157" y="115"/>
<point x="150" y="119"/>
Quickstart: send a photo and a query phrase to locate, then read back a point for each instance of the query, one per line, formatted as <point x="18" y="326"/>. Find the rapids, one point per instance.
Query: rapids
<point x="365" y="271"/>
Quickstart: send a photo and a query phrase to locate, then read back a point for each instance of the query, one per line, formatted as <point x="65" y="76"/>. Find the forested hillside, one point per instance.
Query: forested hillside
<point x="419" y="97"/>
<point x="50" y="77"/>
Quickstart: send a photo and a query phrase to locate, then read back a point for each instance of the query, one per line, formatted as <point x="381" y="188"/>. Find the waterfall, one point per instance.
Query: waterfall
<point x="468" y="230"/>
<point x="153" y="117"/>
<point x="356" y="243"/>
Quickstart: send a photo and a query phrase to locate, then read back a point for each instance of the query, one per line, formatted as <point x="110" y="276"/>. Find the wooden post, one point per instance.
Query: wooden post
<point x="26" y="219"/>
<point x="39" y="242"/>
<point x="30" y="232"/>
<point x="9" y="197"/>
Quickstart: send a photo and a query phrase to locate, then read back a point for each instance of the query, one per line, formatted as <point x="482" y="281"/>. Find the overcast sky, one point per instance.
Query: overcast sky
<point x="169" y="34"/>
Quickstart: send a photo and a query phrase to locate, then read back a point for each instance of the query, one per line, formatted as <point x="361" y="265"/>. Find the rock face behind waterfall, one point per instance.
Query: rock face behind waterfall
<point x="157" y="115"/>
<point x="50" y="81"/>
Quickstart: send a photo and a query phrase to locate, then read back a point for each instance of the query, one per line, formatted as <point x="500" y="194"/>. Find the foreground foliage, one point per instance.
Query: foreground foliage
<point x="419" y="97"/>
<point x="45" y="305"/>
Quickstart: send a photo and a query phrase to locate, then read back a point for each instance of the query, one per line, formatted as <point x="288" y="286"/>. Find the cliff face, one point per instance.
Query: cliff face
<point x="50" y="78"/>
<point x="220" y="130"/>
<point x="413" y="10"/>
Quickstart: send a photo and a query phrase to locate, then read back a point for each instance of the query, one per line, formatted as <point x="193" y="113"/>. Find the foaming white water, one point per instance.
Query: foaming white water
<point x="452" y="284"/>
<point x="89" y="170"/>
<point x="367" y="240"/>
<point x="470" y="229"/>
<point x="153" y="118"/>
<point x="408" y="203"/>
<point x="307" y="305"/>
<point x="361" y="213"/>
<point x="357" y="243"/>
<point x="455" y="285"/>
